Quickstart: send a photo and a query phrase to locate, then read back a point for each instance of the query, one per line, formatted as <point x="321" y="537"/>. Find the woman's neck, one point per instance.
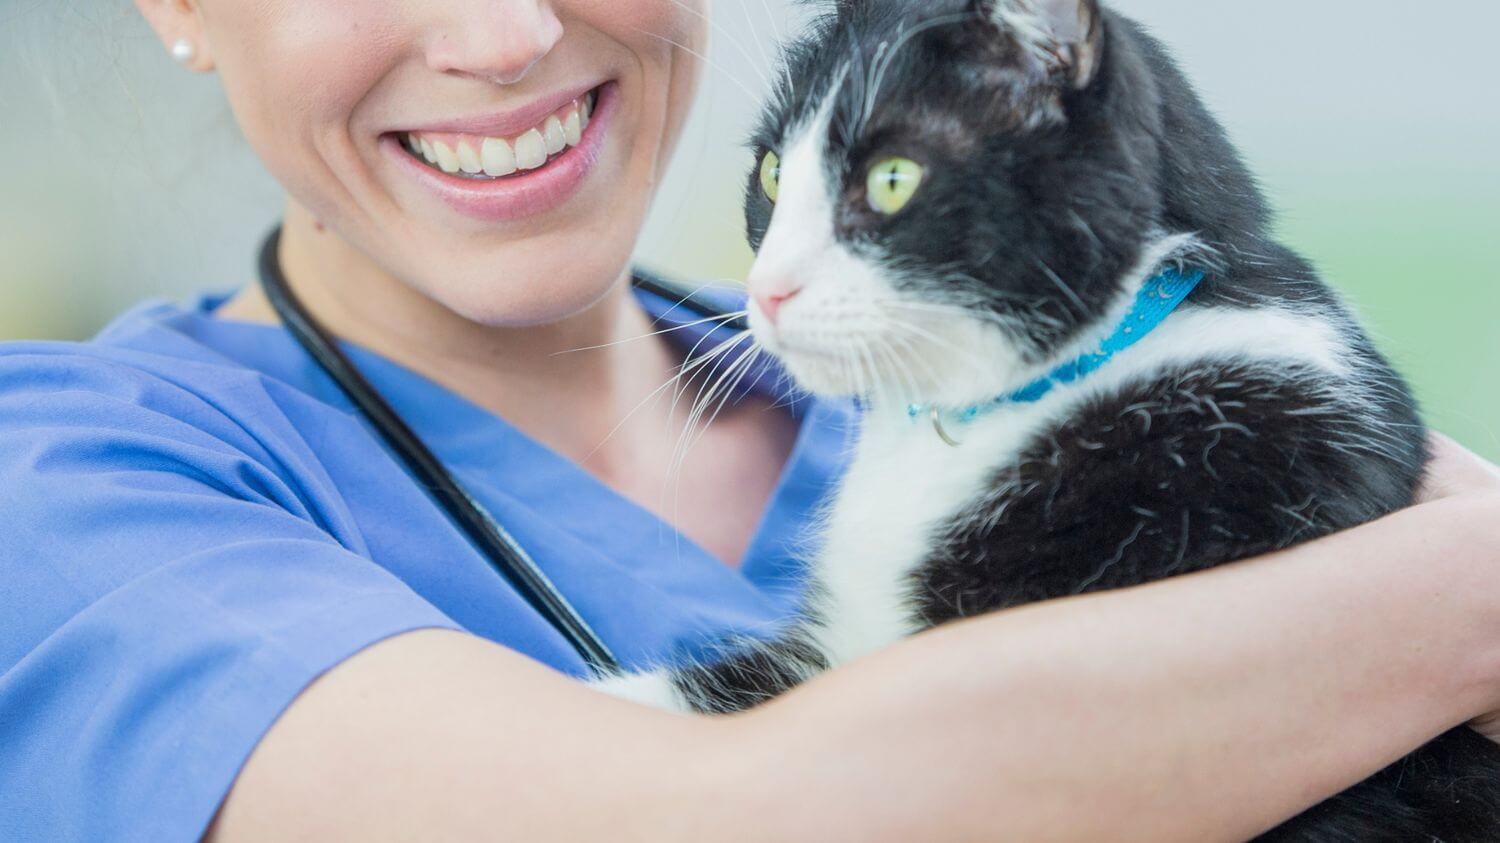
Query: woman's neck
<point x="602" y="408"/>
<point x="571" y="402"/>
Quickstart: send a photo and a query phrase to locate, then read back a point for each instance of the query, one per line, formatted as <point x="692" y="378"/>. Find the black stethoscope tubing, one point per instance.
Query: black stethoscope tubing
<point x="500" y="548"/>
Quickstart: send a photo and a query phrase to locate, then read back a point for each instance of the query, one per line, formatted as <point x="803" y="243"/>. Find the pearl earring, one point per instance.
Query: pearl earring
<point x="184" y="51"/>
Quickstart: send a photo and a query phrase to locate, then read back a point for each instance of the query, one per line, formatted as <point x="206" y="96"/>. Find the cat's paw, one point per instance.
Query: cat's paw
<point x="655" y="689"/>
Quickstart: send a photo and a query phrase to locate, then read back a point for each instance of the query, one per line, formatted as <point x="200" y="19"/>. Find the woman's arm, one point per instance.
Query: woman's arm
<point x="1208" y="707"/>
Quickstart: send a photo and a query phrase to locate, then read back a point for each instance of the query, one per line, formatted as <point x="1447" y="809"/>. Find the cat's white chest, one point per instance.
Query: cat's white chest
<point x="903" y="488"/>
<point x="906" y="485"/>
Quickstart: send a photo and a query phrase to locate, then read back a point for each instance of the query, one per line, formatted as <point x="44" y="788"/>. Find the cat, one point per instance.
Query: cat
<point x="1012" y="230"/>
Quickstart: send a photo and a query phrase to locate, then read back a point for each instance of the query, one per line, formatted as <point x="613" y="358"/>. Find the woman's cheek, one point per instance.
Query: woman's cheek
<point x="650" y="28"/>
<point x="667" y="18"/>
<point x="296" y="72"/>
<point x="667" y="39"/>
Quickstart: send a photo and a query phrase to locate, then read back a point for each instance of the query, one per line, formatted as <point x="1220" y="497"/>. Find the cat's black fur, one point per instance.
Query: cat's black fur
<point x="1040" y="171"/>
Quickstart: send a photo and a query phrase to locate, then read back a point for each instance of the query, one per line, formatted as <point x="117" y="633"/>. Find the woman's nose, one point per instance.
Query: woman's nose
<point x="494" y="40"/>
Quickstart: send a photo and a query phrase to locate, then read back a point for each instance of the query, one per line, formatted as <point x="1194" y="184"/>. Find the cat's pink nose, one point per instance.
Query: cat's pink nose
<point x="770" y="302"/>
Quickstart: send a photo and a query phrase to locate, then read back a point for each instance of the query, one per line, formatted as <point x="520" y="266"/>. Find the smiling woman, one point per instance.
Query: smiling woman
<point x="230" y="610"/>
<point x="331" y="131"/>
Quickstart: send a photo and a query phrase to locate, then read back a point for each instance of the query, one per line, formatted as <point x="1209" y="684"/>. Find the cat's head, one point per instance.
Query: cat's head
<point x="948" y="194"/>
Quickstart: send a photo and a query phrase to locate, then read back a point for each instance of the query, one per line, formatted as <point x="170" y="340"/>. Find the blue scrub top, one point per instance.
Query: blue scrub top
<point x="195" y="524"/>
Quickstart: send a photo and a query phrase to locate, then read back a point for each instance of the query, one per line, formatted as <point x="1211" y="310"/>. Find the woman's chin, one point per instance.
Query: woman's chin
<point x="512" y="297"/>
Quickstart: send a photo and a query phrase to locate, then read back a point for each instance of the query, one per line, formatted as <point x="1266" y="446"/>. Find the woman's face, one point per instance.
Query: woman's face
<point x="568" y="110"/>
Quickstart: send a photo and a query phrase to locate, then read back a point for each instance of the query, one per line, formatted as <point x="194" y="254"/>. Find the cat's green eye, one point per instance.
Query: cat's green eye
<point x="893" y="182"/>
<point x="770" y="175"/>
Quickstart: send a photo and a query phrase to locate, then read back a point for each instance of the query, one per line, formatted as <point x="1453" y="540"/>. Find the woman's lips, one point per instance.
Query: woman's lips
<point x="525" y="193"/>
<point x="513" y="122"/>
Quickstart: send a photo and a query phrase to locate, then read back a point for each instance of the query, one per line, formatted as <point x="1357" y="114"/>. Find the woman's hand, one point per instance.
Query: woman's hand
<point x="1454" y="472"/>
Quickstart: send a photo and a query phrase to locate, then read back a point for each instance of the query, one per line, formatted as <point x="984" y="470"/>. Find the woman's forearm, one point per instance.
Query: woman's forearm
<point x="1204" y="708"/>
<point x="1209" y="707"/>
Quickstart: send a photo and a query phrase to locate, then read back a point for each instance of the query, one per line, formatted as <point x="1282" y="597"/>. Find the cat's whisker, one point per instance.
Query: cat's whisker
<point x="975" y="303"/>
<point x="963" y="357"/>
<point x="754" y="99"/>
<point x="672" y="480"/>
<point x="1063" y="286"/>
<point x="728" y="36"/>
<point x="760" y="42"/>
<point x="718" y="351"/>
<point x="706" y="384"/>
<point x="728" y="317"/>
<point x="901" y="370"/>
<point x="875" y="383"/>
<point x="788" y="398"/>
<point x="690" y="434"/>
<point x="974" y="313"/>
<point x="878" y="81"/>
<point x="721" y="386"/>
<point x="862" y="385"/>
<point x="722" y="284"/>
<point x="707" y="391"/>
<point x="689" y="368"/>
<point x="872" y="87"/>
<point x="839" y="119"/>
<point x="848" y="362"/>
<point x="907" y="352"/>
<point x="940" y="341"/>
<point x="880" y="359"/>
<point x="746" y="365"/>
<point x="760" y="374"/>
<point x="773" y="21"/>
<point x="1083" y="225"/>
<point x="866" y="376"/>
<point x="779" y="35"/>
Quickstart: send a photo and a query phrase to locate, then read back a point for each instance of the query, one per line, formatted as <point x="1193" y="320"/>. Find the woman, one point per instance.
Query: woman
<point x="229" y="610"/>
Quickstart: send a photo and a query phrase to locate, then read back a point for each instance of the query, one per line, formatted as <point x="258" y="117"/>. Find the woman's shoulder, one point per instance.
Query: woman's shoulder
<point x="146" y="341"/>
<point x="158" y="356"/>
<point x="152" y="385"/>
<point x="178" y="565"/>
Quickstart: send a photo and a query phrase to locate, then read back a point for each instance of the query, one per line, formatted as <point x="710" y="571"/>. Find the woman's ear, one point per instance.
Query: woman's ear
<point x="180" y="28"/>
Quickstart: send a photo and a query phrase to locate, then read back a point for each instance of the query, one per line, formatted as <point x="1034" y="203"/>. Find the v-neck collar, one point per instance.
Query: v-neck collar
<point x="499" y="461"/>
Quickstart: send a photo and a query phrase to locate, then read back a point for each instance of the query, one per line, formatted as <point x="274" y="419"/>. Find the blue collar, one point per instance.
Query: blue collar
<point x="1157" y="300"/>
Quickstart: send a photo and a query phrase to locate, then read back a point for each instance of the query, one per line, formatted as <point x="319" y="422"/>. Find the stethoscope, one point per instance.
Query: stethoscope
<point x="499" y="547"/>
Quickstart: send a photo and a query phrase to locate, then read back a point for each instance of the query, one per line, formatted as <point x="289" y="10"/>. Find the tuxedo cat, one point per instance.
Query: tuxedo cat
<point x="1011" y="228"/>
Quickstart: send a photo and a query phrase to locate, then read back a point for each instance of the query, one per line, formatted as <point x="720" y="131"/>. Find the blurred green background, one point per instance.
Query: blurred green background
<point x="1374" y="130"/>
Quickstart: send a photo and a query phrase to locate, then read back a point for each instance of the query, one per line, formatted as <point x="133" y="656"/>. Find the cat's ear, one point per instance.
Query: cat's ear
<point x="1067" y="36"/>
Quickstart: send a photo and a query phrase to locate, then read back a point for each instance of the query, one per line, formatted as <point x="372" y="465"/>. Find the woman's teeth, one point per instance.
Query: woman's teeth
<point x="480" y="157"/>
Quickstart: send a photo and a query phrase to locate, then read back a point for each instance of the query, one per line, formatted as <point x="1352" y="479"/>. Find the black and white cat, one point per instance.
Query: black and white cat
<point x="957" y="201"/>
